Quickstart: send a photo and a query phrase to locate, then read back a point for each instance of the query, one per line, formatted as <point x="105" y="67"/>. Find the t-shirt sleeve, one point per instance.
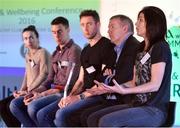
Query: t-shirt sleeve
<point x="159" y="53"/>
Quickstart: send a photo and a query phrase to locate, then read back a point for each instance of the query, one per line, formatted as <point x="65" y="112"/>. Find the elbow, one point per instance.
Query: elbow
<point x="156" y="87"/>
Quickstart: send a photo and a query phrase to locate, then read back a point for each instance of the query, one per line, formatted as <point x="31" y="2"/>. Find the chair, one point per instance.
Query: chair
<point x="171" y="114"/>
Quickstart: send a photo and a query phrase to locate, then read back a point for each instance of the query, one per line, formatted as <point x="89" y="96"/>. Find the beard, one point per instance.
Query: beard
<point x="92" y="36"/>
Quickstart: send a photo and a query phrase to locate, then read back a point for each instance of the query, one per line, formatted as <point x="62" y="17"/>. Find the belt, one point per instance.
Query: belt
<point x="59" y="87"/>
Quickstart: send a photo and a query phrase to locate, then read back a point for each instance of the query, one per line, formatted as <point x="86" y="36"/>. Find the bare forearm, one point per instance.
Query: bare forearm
<point x="77" y="88"/>
<point x="148" y="87"/>
<point x="49" y="92"/>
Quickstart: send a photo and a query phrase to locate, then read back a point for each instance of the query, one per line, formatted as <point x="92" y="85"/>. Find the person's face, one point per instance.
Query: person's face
<point x="60" y="33"/>
<point x="30" y="39"/>
<point x="116" y="30"/>
<point x="89" y="26"/>
<point x="141" y="26"/>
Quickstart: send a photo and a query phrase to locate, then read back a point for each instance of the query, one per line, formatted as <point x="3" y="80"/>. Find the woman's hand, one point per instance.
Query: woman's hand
<point x="17" y="94"/>
<point x="116" y="88"/>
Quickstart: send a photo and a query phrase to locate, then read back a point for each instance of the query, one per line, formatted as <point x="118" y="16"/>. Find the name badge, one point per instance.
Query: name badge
<point x="145" y="58"/>
<point x="65" y="63"/>
<point x="90" y="69"/>
<point x="32" y="64"/>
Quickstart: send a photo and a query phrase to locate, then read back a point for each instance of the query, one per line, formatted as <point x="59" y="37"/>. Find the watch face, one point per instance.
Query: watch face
<point x="82" y="96"/>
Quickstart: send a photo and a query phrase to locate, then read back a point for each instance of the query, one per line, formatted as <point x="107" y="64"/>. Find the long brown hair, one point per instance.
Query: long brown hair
<point x="156" y="26"/>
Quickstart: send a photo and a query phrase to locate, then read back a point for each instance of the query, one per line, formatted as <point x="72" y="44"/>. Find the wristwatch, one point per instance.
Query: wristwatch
<point x="82" y="96"/>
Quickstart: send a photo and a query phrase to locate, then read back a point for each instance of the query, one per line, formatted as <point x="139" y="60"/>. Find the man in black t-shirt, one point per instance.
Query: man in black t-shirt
<point x="126" y="47"/>
<point x="120" y="68"/>
<point x="94" y="57"/>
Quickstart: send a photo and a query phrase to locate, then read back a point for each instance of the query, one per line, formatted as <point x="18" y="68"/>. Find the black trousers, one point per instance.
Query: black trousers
<point x="6" y="114"/>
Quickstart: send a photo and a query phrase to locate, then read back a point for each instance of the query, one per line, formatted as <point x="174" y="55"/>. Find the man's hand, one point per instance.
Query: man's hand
<point x="107" y="72"/>
<point x="68" y="100"/>
<point x="116" y="88"/>
<point x="98" y="90"/>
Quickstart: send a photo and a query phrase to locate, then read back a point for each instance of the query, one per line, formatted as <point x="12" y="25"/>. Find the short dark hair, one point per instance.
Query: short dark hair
<point x="92" y="13"/>
<point x="31" y="28"/>
<point x="126" y="20"/>
<point x="156" y="26"/>
<point x="60" y="20"/>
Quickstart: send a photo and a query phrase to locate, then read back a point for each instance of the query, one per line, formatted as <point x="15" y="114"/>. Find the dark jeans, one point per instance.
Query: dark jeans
<point x="43" y="110"/>
<point x="6" y="114"/>
<point x="88" y="111"/>
<point x="126" y="116"/>
<point x="19" y="110"/>
<point x="69" y="115"/>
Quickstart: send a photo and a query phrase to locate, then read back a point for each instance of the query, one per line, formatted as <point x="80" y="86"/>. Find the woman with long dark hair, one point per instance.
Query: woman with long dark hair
<point x="150" y="87"/>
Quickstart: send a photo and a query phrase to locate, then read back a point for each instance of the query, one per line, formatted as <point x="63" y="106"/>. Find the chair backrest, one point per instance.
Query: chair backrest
<point x="171" y="114"/>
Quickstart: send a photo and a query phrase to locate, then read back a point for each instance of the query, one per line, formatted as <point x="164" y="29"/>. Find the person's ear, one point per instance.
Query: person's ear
<point x="68" y="29"/>
<point x="125" y="28"/>
<point x="98" y="24"/>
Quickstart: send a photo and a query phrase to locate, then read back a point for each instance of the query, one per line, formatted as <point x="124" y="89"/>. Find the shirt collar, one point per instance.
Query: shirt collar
<point x="121" y="44"/>
<point x="68" y="45"/>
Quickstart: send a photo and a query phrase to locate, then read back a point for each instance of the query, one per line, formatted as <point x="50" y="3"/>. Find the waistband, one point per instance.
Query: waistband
<point x="59" y="87"/>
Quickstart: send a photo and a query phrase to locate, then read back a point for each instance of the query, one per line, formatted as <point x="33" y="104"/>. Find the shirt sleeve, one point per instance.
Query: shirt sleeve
<point x="73" y="57"/>
<point x="24" y="83"/>
<point x="159" y="53"/>
<point x="43" y="70"/>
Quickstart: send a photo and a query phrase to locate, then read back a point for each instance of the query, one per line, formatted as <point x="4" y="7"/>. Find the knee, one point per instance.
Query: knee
<point x="32" y="110"/>
<point x="105" y="122"/>
<point x="83" y="119"/>
<point x="59" y="118"/>
<point x="58" y="115"/>
<point x="93" y="120"/>
<point x="90" y="121"/>
<point x="13" y="105"/>
<point x="56" y="119"/>
<point x="41" y="115"/>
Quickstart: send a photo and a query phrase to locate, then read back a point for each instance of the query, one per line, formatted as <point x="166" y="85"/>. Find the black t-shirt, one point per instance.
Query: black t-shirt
<point x="161" y="53"/>
<point x="92" y="59"/>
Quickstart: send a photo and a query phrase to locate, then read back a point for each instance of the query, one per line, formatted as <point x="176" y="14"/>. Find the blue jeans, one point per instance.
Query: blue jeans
<point x="19" y="110"/>
<point x="88" y="111"/>
<point x="122" y="115"/>
<point x="46" y="115"/>
<point x="44" y="105"/>
<point x="63" y="115"/>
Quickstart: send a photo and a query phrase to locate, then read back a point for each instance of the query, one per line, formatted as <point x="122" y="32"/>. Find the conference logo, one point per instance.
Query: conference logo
<point x="173" y="38"/>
